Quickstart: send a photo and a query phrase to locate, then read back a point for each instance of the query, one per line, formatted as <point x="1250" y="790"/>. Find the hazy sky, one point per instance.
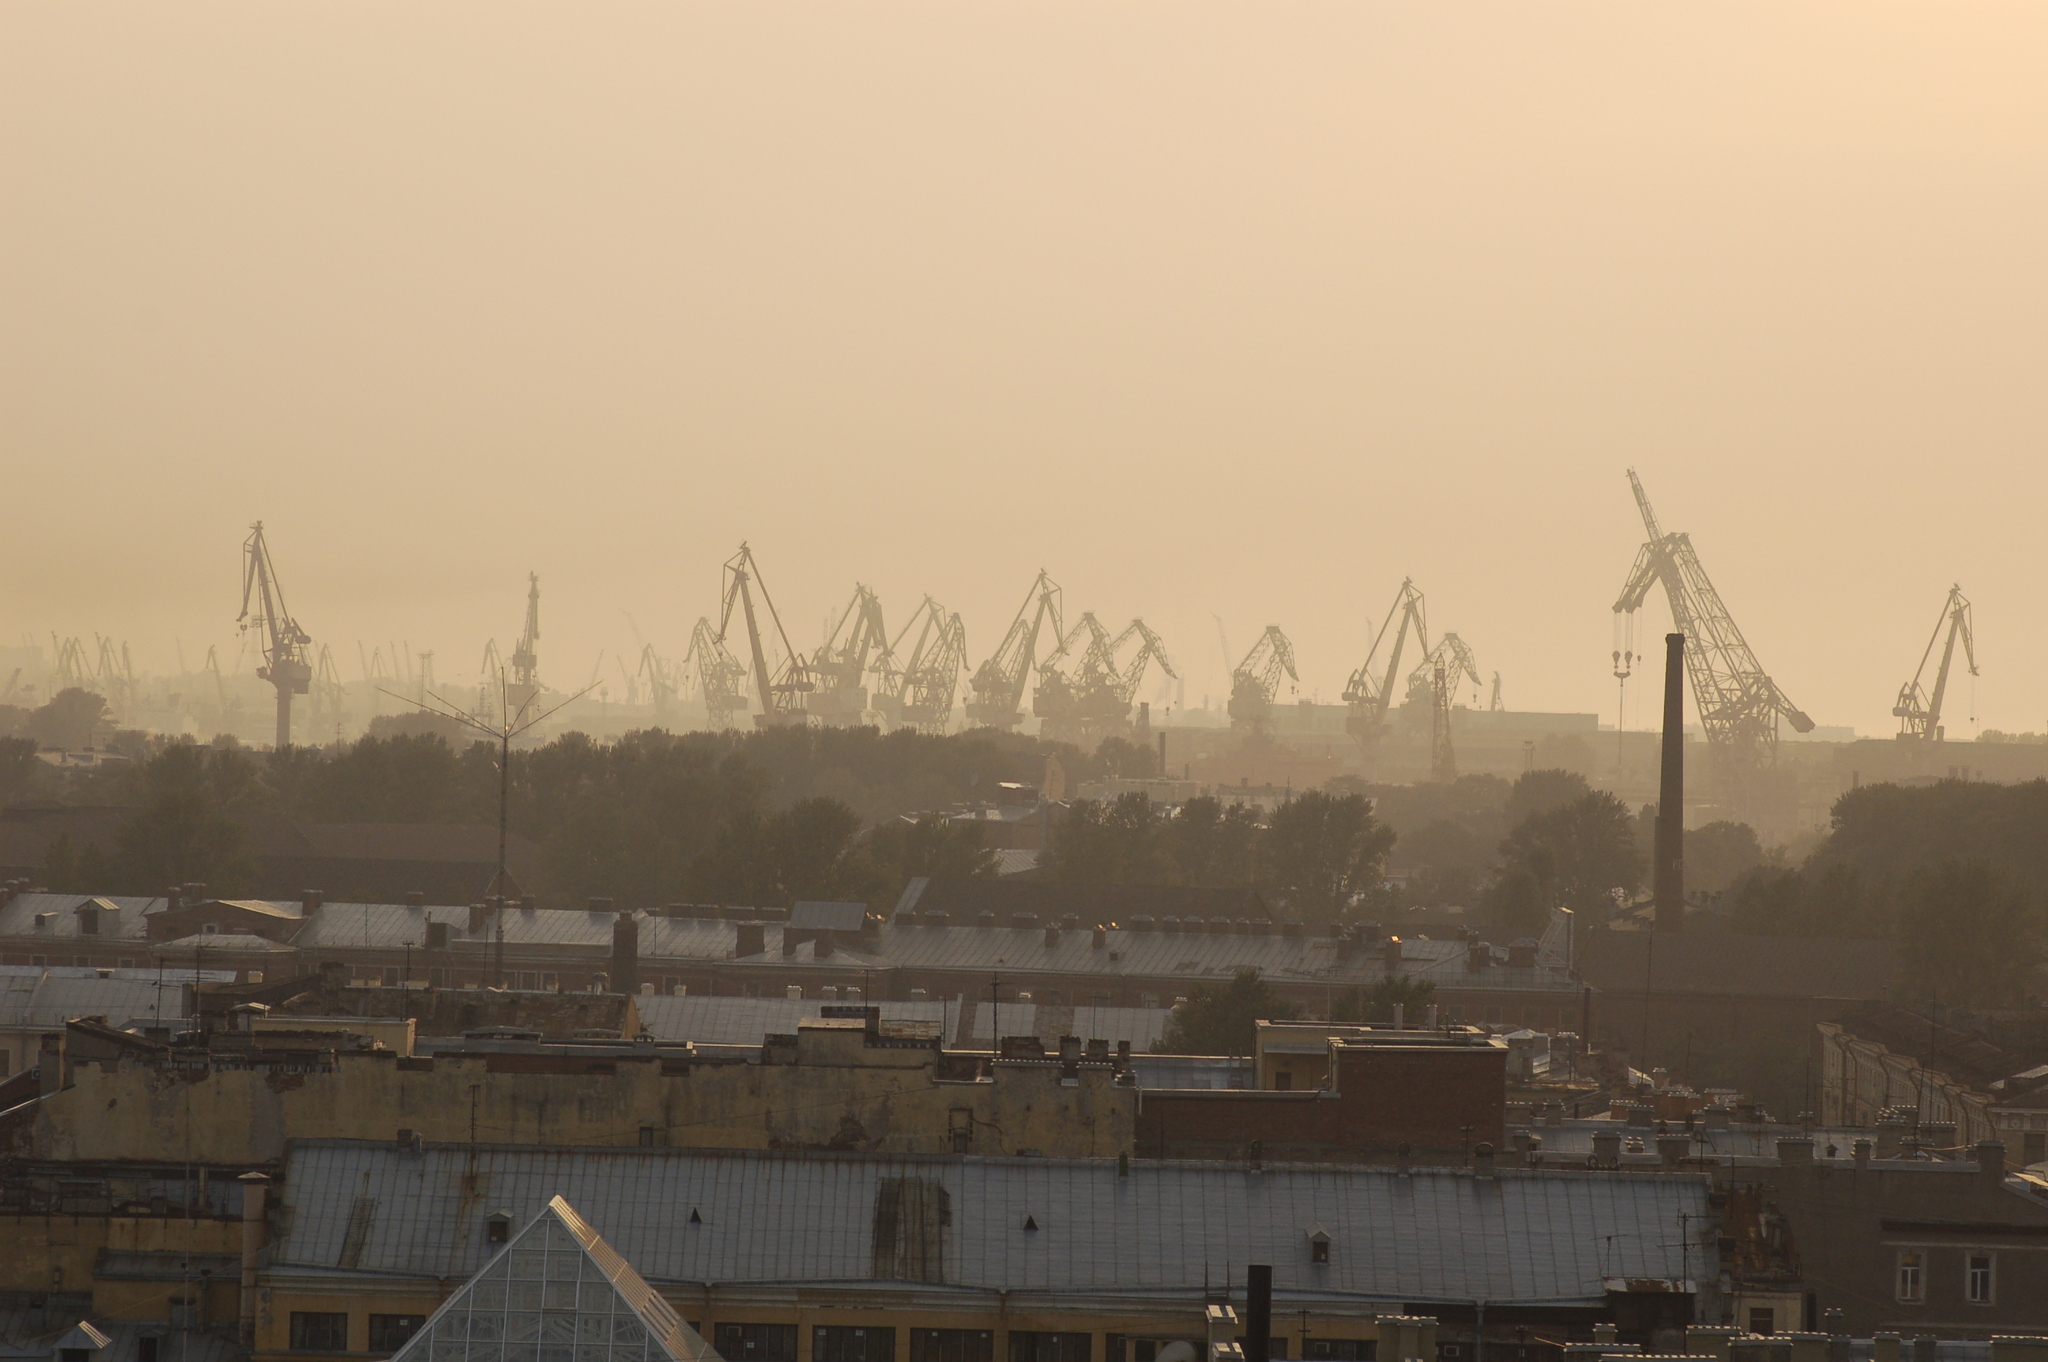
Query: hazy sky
<point x="1246" y="308"/>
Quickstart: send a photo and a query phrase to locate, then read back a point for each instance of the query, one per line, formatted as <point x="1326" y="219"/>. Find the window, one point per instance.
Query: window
<point x="756" y="1342"/>
<point x="128" y="962"/>
<point x="145" y="1348"/>
<point x="1911" y="1281"/>
<point x="388" y="1333"/>
<point x="844" y="1343"/>
<point x="1028" y="1345"/>
<point x="1337" y="1349"/>
<point x="317" y="1331"/>
<point x="2034" y="1148"/>
<point x="1102" y="1000"/>
<point x="952" y="1345"/>
<point x="960" y="1127"/>
<point x="391" y="976"/>
<point x="527" y="980"/>
<point x="550" y="981"/>
<point x="500" y="1229"/>
<point x="437" y="977"/>
<point x="1148" y="1000"/>
<point x="6" y="1063"/>
<point x="1319" y="1247"/>
<point x="1283" y="1081"/>
<point x="210" y="929"/>
<point x="39" y="959"/>
<point x="1763" y="1319"/>
<point x="1979" y="1278"/>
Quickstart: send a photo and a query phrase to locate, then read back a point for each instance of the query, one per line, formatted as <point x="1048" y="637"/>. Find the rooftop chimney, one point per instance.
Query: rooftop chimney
<point x="1258" y="1283"/>
<point x="750" y="938"/>
<point x="1991" y="1160"/>
<point x="253" y="1187"/>
<point x="626" y="952"/>
<point x="309" y="902"/>
<point x="418" y="899"/>
<point x="1669" y="876"/>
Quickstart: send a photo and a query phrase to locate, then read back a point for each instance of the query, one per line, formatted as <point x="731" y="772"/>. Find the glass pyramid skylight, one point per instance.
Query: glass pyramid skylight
<point x="557" y="1293"/>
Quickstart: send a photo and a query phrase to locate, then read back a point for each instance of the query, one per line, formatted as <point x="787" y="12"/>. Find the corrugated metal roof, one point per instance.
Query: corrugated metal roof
<point x="383" y="926"/>
<point x="793" y="1219"/>
<point x="818" y="916"/>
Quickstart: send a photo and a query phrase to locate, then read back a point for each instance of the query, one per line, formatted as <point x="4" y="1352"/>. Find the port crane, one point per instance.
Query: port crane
<point x="920" y="695"/>
<point x="285" y="665"/>
<point x="1256" y="680"/>
<point x="998" y="684"/>
<point x="783" y="696"/>
<point x="524" y="687"/>
<point x="1455" y="660"/>
<point x="1095" y="701"/>
<point x="720" y="676"/>
<point x="1918" y="710"/>
<point x="1738" y="703"/>
<point x="840" y="667"/>
<point x="1370" y="695"/>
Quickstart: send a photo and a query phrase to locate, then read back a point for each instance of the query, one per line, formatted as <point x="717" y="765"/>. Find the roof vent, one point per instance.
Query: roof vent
<point x="695" y="1219"/>
<point x="1030" y="1222"/>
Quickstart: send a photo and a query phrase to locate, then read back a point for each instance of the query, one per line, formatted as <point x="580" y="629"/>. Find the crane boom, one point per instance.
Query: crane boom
<point x="1368" y="695"/>
<point x="1256" y="680"/>
<point x="920" y="696"/>
<point x="1739" y="704"/>
<point x="285" y="661"/>
<point x="1918" y="711"/>
<point x="782" y="701"/>
<point x="720" y="676"/>
<point x="841" y="664"/>
<point x="998" y="684"/>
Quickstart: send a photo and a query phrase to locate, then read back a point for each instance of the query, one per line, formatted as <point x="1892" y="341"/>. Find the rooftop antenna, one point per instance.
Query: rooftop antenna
<point x="511" y="723"/>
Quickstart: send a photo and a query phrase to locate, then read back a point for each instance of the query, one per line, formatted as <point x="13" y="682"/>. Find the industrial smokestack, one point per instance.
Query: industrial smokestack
<point x="1668" y="879"/>
<point x="1258" y="1313"/>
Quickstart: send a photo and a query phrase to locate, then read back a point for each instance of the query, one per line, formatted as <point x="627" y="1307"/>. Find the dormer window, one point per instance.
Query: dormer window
<point x="210" y="929"/>
<point x="498" y="1228"/>
<point x="1319" y="1245"/>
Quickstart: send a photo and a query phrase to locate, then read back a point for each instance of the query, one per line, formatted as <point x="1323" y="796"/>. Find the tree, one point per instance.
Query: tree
<point x="809" y="850"/>
<point x="1577" y="853"/>
<point x="1118" y="842"/>
<point x="1968" y="937"/>
<point x="1213" y="846"/>
<point x="1224" y="1020"/>
<point x="19" y="768"/>
<point x="69" y="719"/>
<point x="185" y="832"/>
<point x="1541" y="790"/>
<point x="932" y="845"/>
<point x="1718" y="853"/>
<point x="1361" y="1006"/>
<point x="1324" y="851"/>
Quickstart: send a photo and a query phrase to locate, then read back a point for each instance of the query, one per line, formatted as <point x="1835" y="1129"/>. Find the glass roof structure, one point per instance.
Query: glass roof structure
<point x="556" y="1293"/>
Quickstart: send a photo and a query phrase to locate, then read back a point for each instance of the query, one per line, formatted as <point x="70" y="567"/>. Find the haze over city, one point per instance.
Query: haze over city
<point x="1208" y="310"/>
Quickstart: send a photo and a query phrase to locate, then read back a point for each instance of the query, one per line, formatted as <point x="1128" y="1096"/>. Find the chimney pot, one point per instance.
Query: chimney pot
<point x="309" y="901"/>
<point x="750" y="938"/>
<point x="1099" y="938"/>
<point x="1861" y="1151"/>
<point x="1991" y="1160"/>
<point x="416" y="899"/>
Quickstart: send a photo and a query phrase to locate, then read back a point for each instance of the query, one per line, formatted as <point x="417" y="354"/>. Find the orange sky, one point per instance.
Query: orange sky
<point x="1250" y="309"/>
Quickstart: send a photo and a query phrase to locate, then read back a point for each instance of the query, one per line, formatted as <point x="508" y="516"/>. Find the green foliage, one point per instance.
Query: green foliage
<point x="1361" y="1006"/>
<point x="1222" y="1020"/>
<point x="1888" y="832"/>
<point x="1119" y="842"/>
<point x="1542" y="790"/>
<point x="1968" y="936"/>
<point x="902" y="850"/>
<point x="1214" y="846"/>
<point x="20" y="769"/>
<point x="1717" y="854"/>
<point x="69" y="720"/>
<point x="809" y="850"/>
<point x="1325" y="851"/>
<point x="1774" y="901"/>
<point x="185" y="830"/>
<point x="1575" y="852"/>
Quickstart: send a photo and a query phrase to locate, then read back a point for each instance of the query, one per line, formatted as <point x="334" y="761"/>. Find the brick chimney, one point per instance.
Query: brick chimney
<point x="1668" y="877"/>
<point x="625" y="952"/>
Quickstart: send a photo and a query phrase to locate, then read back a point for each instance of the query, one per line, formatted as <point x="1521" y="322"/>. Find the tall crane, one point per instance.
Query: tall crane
<point x="1455" y="659"/>
<point x="920" y="694"/>
<point x="524" y="687"/>
<point x="1738" y="703"/>
<point x="720" y="675"/>
<point x="840" y="667"/>
<point x="1256" y="680"/>
<point x="327" y="696"/>
<point x="664" y="679"/>
<point x="782" y="697"/>
<point x="1094" y="702"/>
<point x="1919" y="711"/>
<point x="1369" y="695"/>
<point x="285" y="663"/>
<point x="998" y="684"/>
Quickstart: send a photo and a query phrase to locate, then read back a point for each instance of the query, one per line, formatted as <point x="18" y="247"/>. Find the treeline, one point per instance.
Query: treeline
<point x="758" y="817"/>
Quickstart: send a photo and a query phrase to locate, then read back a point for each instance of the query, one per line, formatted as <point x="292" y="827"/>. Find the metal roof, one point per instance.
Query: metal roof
<point x="745" y="1021"/>
<point x="809" y="916"/>
<point x="687" y="1216"/>
<point x="35" y="999"/>
<point x="386" y="926"/>
<point x="120" y="918"/>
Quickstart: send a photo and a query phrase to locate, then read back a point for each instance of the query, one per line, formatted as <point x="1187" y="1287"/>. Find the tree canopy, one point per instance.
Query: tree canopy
<point x="1222" y="1019"/>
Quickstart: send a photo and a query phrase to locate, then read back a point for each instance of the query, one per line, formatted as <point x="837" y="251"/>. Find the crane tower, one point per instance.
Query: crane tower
<point x="1256" y="680"/>
<point x="1919" y="711"/>
<point x="1369" y="694"/>
<point x="998" y="684"/>
<point x="782" y="696"/>
<point x="285" y="660"/>
<point x="524" y="687"/>
<point x="1738" y="703"/>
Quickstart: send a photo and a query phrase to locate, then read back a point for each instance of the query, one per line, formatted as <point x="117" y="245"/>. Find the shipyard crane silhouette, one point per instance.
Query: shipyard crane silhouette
<point x="1094" y="701"/>
<point x="1919" y="711"/>
<point x="920" y="695"/>
<point x="1738" y="703"/>
<point x="1370" y="695"/>
<point x="998" y="684"/>
<point x="840" y="667"/>
<point x="782" y="696"/>
<point x="285" y="662"/>
<point x="1256" y="680"/>
<point x="721" y="677"/>
<point x="524" y="686"/>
